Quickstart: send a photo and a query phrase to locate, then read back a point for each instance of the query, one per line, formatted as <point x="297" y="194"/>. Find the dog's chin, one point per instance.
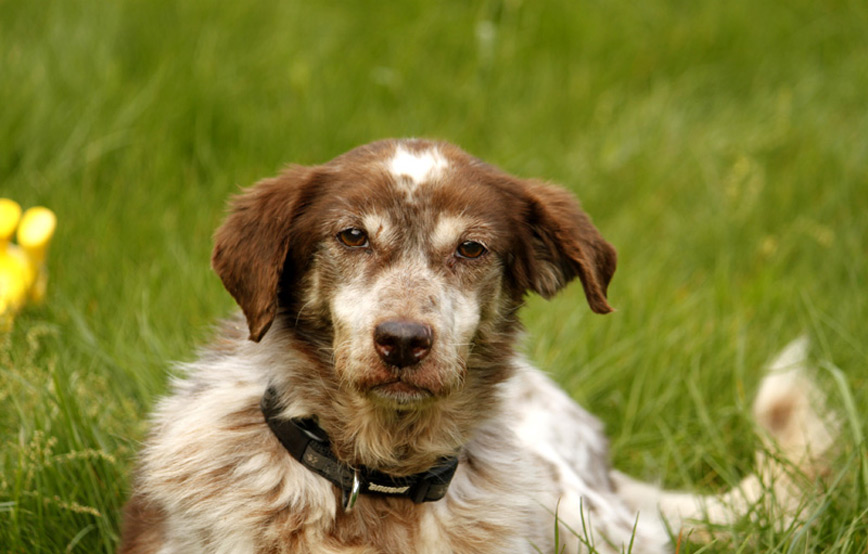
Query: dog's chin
<point x="400" y="395"/>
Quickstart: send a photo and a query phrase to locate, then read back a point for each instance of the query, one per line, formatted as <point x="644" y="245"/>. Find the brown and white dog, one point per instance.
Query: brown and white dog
<point x="380" y="293"/>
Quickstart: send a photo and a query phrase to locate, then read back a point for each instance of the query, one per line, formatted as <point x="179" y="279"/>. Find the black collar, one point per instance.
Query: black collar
<point x="310" y="445"/>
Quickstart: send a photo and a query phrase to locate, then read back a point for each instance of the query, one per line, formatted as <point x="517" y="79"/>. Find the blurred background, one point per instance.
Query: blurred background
<point x="722" y="147"/>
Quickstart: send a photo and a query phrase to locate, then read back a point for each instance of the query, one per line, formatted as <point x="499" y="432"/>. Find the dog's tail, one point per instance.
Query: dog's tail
<point x="797" y="435"/>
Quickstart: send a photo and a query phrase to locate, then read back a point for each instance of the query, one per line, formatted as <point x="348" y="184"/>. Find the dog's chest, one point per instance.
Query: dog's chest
<point x="482" y="524"/>
<point x="488" y="509"/>
<point x="237" y="487"/>
<point x="397" y="527"/>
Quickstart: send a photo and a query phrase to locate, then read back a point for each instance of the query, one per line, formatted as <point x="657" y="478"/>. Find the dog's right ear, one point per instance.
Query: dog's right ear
<point x="251" y="246"/>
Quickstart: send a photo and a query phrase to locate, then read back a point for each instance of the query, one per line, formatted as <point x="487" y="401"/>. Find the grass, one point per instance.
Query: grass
<point x="721" y="146"/>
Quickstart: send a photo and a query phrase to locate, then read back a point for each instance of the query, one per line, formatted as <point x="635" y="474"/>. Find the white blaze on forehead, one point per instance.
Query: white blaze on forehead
<point x="418" y="167"/>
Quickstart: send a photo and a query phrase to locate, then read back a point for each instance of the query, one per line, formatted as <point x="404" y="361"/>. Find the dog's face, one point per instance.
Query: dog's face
<point x="406" y="261"/>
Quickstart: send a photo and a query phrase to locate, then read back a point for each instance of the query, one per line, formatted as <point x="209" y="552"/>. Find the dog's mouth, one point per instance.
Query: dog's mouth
<point x="390" y="386"/>
<point x="400" y="392"/>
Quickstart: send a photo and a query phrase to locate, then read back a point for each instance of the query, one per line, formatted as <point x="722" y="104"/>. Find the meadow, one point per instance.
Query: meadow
<point x="722" y="147"/>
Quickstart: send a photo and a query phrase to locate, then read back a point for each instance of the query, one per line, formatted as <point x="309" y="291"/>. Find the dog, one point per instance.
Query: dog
<point x="371" y="400"/>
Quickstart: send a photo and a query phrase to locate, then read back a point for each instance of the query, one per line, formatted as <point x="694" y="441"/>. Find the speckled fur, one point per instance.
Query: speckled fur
<point x="214" y="479"/>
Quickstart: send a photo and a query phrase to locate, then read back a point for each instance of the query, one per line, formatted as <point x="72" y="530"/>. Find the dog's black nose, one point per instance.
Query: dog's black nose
<point x="403" y="343"/>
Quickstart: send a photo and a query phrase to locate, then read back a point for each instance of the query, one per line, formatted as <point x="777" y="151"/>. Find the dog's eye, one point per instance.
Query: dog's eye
<point x="470" y="249"/>
<point x="354" y="238"/>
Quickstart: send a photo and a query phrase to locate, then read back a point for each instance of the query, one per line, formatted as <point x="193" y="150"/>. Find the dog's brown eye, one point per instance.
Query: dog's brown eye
<point x="470" y="249"/>
<point x="354" y="238"/>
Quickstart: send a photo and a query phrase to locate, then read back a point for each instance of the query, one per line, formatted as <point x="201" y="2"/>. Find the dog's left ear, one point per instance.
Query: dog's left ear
<point x="564" y="244"/>
<point x="252" y="245"/>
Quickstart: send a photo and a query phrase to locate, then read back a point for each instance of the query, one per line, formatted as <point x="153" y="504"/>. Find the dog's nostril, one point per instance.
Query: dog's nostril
<point x="403" y="343"/>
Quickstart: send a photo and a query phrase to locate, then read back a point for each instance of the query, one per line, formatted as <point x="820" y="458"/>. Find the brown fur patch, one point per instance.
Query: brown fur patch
<point x="143" y="527"/>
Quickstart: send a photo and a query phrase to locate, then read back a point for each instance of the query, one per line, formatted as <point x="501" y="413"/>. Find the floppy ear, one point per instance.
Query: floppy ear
<point x="566" y="245"/>
<point x="251" y="247"/>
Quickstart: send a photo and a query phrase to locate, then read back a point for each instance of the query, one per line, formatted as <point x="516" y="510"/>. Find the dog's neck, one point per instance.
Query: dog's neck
<point x="401" y="442"/>
<point x="310" y="445"/>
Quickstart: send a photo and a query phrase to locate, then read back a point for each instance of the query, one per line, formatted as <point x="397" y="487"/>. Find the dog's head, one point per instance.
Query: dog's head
<point x="406" y="261"/>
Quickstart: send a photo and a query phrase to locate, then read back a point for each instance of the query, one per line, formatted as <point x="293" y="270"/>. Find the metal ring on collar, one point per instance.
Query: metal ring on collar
<point x="352" y="495"/>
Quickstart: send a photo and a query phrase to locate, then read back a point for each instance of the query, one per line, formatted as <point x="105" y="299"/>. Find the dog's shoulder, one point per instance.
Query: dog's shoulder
<point x="212" y="465"/>
<point x="562" y="435"/>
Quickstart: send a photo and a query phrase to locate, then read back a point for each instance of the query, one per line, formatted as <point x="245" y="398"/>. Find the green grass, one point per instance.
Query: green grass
<point x="721" y="146"/>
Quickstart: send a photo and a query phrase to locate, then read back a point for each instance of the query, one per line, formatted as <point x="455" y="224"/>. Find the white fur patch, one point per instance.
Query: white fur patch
<point x="377" y="226"/>
<point x="463" y="309"/>
<point x="416" y="167"/>
<point x="448" y="231"/>
<point x="354" y="306"/>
